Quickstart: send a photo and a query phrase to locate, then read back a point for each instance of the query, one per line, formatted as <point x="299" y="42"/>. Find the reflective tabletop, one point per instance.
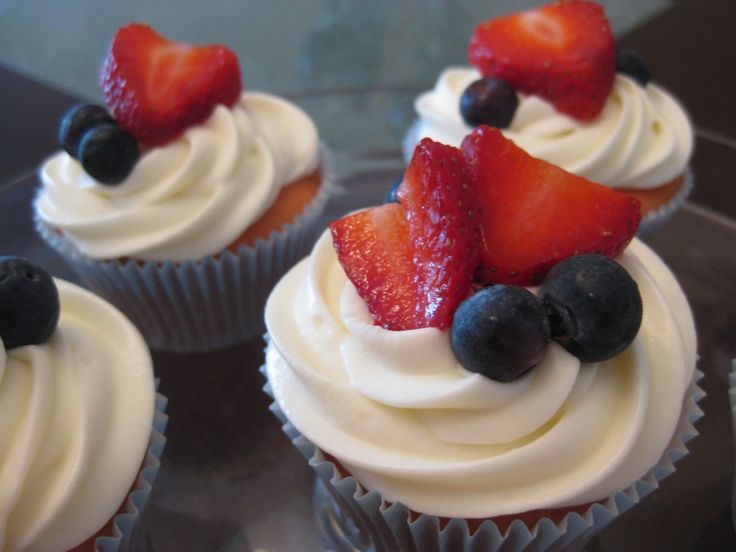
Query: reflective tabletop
<point x="230" y="479"/>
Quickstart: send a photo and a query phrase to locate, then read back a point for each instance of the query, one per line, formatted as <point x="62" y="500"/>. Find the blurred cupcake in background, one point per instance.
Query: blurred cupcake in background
<point x="187" y="200"/>
<point x="82" y="424"/>
<point x="552" y="79"/>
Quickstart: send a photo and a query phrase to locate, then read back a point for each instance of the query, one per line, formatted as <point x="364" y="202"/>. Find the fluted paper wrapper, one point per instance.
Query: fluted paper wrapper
<point x="650" y="223"/>
<point x="732" y="397"/>
<point x="393" y="526"/>
<point x="124" y="523"/>
<point x="202" y="305"/>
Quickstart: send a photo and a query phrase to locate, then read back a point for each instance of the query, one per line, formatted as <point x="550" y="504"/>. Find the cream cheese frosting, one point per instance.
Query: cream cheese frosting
<point x="399" y="412"/>
<point x="76" y="416"/>
<point x="641" y="139"/>
<point x="190" y="198"/>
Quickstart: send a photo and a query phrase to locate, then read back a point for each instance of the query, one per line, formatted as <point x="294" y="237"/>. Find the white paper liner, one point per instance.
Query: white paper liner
<point x="125" y="522"/>
<point x="732" y="392"/>
<point x="203" y="305"/>
<point x="389" y="527"/>
<point x="732" y="398"/>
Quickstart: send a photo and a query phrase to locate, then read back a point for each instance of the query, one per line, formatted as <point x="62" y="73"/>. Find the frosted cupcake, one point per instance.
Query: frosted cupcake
<point x="454" y="390"/>
<point x="186" y="203"/>
<point x="80" y="430"/>
<point x="553" y="81"/>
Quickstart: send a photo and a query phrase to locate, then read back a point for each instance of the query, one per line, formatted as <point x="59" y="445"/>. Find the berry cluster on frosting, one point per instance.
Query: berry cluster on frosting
<point x="563" y="52"/>
<point x="155" y="90"/>
<point x="470" y="229"/>
<point x="29" y="303"/>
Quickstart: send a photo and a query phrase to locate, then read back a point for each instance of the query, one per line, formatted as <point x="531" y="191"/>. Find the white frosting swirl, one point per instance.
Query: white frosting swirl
<point x="76" y="416"/>
<point x="190" y="198"/>
<point x="406" y="419"/>
<point x="641" y="139"/>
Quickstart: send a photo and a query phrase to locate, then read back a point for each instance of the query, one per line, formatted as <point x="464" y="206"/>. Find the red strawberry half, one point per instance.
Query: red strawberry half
<point x="157" y="89"/>
<point x="563" y="52"/>
<point x="535" y="214"/>
<point x="413" y="262"/>
<point x="373" y="248"/>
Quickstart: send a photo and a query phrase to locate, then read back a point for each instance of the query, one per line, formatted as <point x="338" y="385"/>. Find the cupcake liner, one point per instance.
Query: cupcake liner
<point x="371" y="523"/>
<point x="652" y="221"/>
<point x="124" y="523"/>
<point x="732" y="398"/>
<point x="732" y="393"/>
<point x="202" y="305"/>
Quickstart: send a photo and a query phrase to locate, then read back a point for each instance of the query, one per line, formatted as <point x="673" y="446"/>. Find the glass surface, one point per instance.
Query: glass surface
<point x="230" y="480"/>
<point x="326" y="54"/>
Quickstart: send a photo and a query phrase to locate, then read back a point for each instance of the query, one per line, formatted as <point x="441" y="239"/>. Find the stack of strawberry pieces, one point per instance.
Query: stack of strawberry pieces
<point x="413" y="261"/>
<point x="487" y="213"/>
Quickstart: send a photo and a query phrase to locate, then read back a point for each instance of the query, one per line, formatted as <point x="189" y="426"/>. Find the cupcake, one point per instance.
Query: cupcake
<point x="553" y="80"/>
<point x="81" y="425"/>
<point x="495" y="361"/>
<point x="186" y="202"/>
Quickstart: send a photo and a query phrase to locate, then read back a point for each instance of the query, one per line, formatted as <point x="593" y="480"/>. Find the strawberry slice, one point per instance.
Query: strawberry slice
<point x="535" y="214"/>
<point x="443" y="228"/>
<point x="373" y="248"/>
<point x="156" y="88"/>
<point x="563" y="52"/>
<point x="413" y="262"/>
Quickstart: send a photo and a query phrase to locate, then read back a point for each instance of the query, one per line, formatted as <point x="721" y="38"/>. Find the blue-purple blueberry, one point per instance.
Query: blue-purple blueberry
<point x="594" y="306"/>
<point x="29" y="303"/>
<point x="629" y="63"/>
<point x="501" y="332"/>
<point x="108" y="153"/>
<point x="489" y="101"/>
<point x="392" y="194"/>
<point x="77" y="121"/>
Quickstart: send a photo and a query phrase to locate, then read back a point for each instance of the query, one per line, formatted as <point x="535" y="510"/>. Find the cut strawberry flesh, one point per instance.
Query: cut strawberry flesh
<point x="156" y="88"/>
<point x="535" y="214"/>
<point x="492" y="211"/>
<point x="443" y="219"/>
<point x="563" y="52"/>
<point x="413" y="262"/>
<point x="372" y="248"/>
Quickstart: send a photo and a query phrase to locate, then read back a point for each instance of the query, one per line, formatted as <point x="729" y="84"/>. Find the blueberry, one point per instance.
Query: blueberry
<point x="500" y="332"/>
<point x="629" y="63"/>
<point x="108" y="153"/>
<point x="391" y="196"/>
<point x="79" y="120"/>
<point x="488" y="101"/>
<point x="29" y="303"/>
<point x="594" y="306"/>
